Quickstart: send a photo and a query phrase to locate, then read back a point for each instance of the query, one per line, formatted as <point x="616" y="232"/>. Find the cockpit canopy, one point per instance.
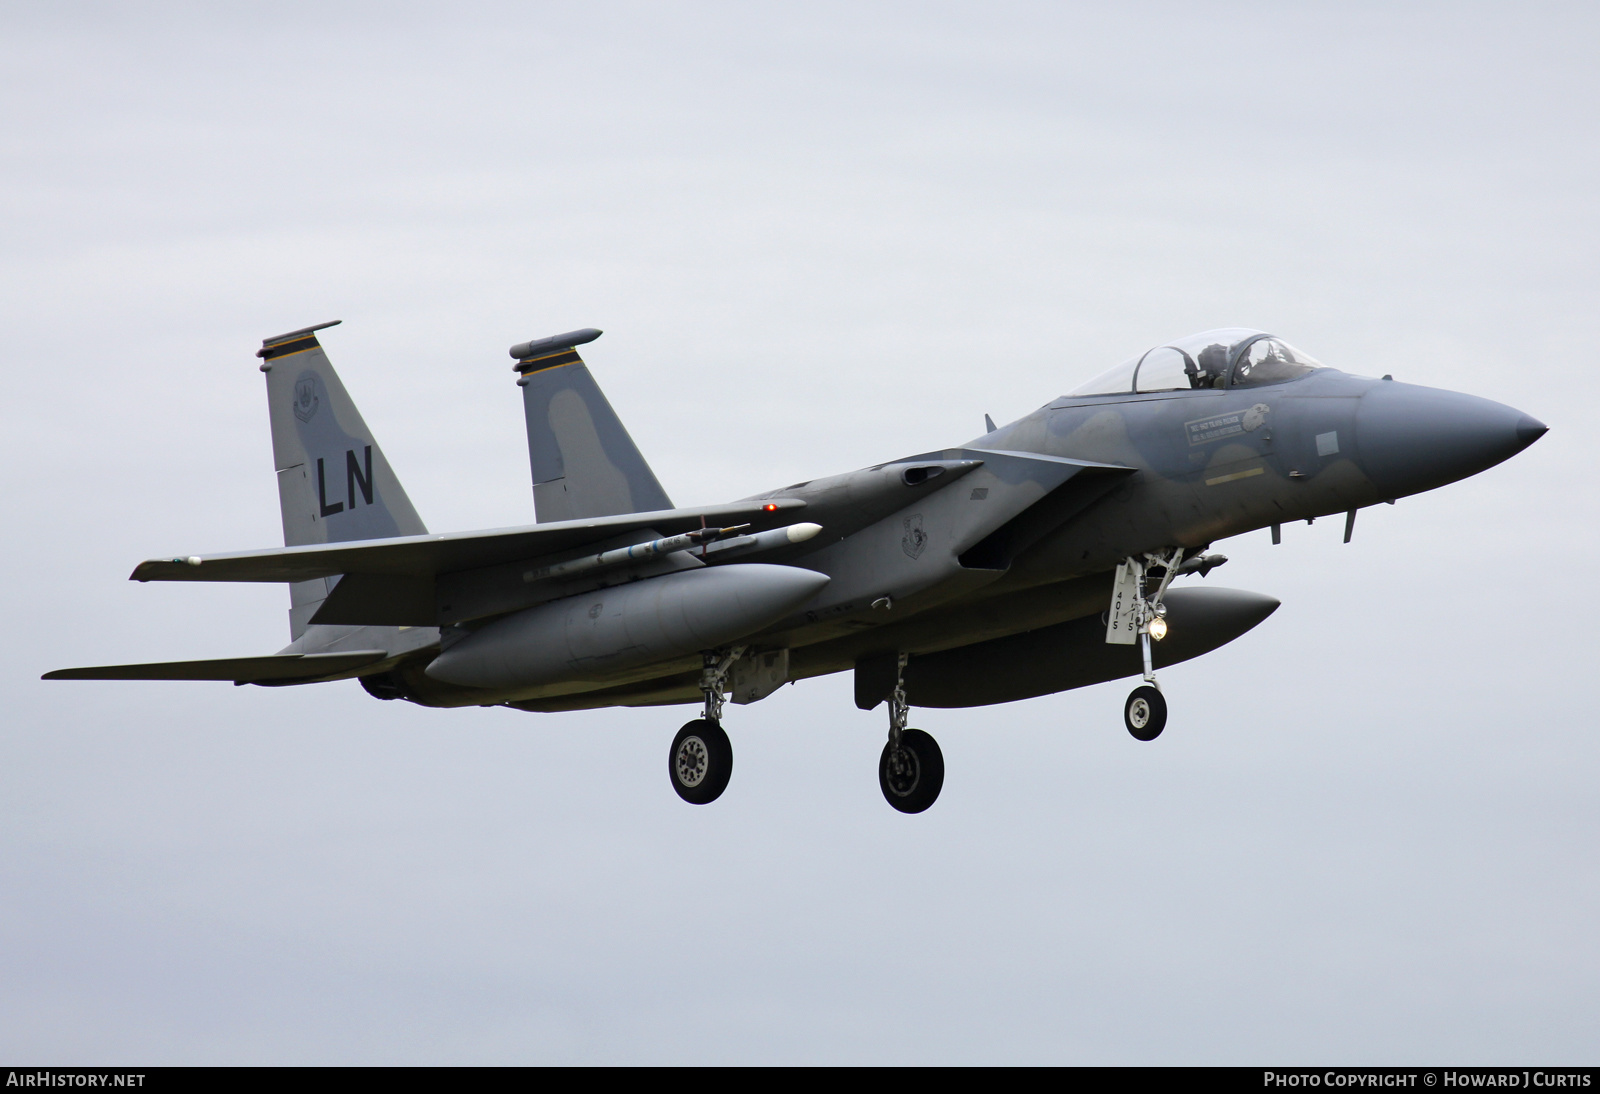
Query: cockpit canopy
<point x="1228" y="357"/>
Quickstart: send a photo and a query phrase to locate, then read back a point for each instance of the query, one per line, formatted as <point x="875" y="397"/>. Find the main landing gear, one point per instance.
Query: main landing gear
<point x="701" y="760"/>
<point x="911" y="768"/>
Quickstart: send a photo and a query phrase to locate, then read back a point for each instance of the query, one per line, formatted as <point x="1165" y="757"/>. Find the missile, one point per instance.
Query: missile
<point x="591" y="635"/>
<point x="712" y="539"/>
<point x="764" y="541"/>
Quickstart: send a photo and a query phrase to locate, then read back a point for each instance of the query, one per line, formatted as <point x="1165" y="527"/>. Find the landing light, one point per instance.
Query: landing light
<point x="1157" y="628"/>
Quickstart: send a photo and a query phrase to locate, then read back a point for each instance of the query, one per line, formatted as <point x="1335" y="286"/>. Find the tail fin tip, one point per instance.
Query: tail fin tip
<point x="542" y="353"/>
<point x="281" y="345"/>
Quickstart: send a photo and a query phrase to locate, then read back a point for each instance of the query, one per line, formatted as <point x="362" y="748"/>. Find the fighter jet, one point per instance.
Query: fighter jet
<point x="1047" y="554"/>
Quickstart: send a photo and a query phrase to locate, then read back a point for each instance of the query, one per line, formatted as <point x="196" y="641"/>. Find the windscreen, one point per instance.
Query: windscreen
<point x="1271" y="361"/>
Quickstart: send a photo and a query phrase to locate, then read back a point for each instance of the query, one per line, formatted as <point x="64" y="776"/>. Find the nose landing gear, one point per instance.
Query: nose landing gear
<point x="1135" y="617"/>
<point x="911" y="767"/>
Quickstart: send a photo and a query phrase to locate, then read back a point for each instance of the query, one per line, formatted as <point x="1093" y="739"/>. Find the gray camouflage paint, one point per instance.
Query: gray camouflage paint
<point x="989" y="563"/>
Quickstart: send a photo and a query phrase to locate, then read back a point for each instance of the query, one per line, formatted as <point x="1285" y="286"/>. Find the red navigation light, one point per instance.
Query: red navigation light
<point x="769" y="507"/>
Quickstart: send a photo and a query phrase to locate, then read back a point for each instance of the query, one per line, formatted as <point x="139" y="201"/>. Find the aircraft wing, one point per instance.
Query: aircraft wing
<point x="430" y="555"/>
<point x="275" y="668"/>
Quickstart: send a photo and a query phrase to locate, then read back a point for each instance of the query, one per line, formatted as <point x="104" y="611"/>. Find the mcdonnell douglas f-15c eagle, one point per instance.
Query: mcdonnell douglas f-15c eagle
<point x="1036" y="558"/>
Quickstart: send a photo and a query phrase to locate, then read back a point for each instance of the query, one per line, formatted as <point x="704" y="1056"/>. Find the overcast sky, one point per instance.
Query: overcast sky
<point x="817" y="236"/>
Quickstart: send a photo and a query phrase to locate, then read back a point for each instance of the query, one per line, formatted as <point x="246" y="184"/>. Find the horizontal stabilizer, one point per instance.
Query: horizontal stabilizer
<point x="280" y="667"/>
<point x="426" y="556"/>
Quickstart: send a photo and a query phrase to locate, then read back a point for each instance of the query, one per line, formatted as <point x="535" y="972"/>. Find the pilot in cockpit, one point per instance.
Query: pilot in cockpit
<point x="1213" y="366"/>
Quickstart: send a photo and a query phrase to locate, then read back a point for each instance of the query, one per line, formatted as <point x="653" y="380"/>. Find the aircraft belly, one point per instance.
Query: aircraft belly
<point x="932" y="632"/>
<point x="1015" y="647"/>
<point x="977" y="619"/>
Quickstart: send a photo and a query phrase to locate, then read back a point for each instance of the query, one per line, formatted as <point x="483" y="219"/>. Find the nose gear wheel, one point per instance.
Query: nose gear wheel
<point x="1145" y="713"/>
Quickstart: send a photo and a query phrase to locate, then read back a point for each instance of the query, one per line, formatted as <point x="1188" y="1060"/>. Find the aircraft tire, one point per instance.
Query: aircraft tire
<point x="914" y="783"/>
<point x="701" y="762"/>
<point x="1145" y="713"/>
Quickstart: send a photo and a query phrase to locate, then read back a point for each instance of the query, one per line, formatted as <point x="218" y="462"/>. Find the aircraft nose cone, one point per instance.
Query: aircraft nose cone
<point x="1413" y="439"/>
<point x="1530" y="429"/>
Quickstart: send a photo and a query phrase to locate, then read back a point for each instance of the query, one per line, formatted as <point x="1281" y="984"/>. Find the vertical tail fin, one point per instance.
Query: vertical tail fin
<point x="584" y="463"/>
<point x="333" y="481"/>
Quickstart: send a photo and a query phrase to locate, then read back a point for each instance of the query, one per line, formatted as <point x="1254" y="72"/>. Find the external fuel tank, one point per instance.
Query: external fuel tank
<point x="626" y="626"/>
